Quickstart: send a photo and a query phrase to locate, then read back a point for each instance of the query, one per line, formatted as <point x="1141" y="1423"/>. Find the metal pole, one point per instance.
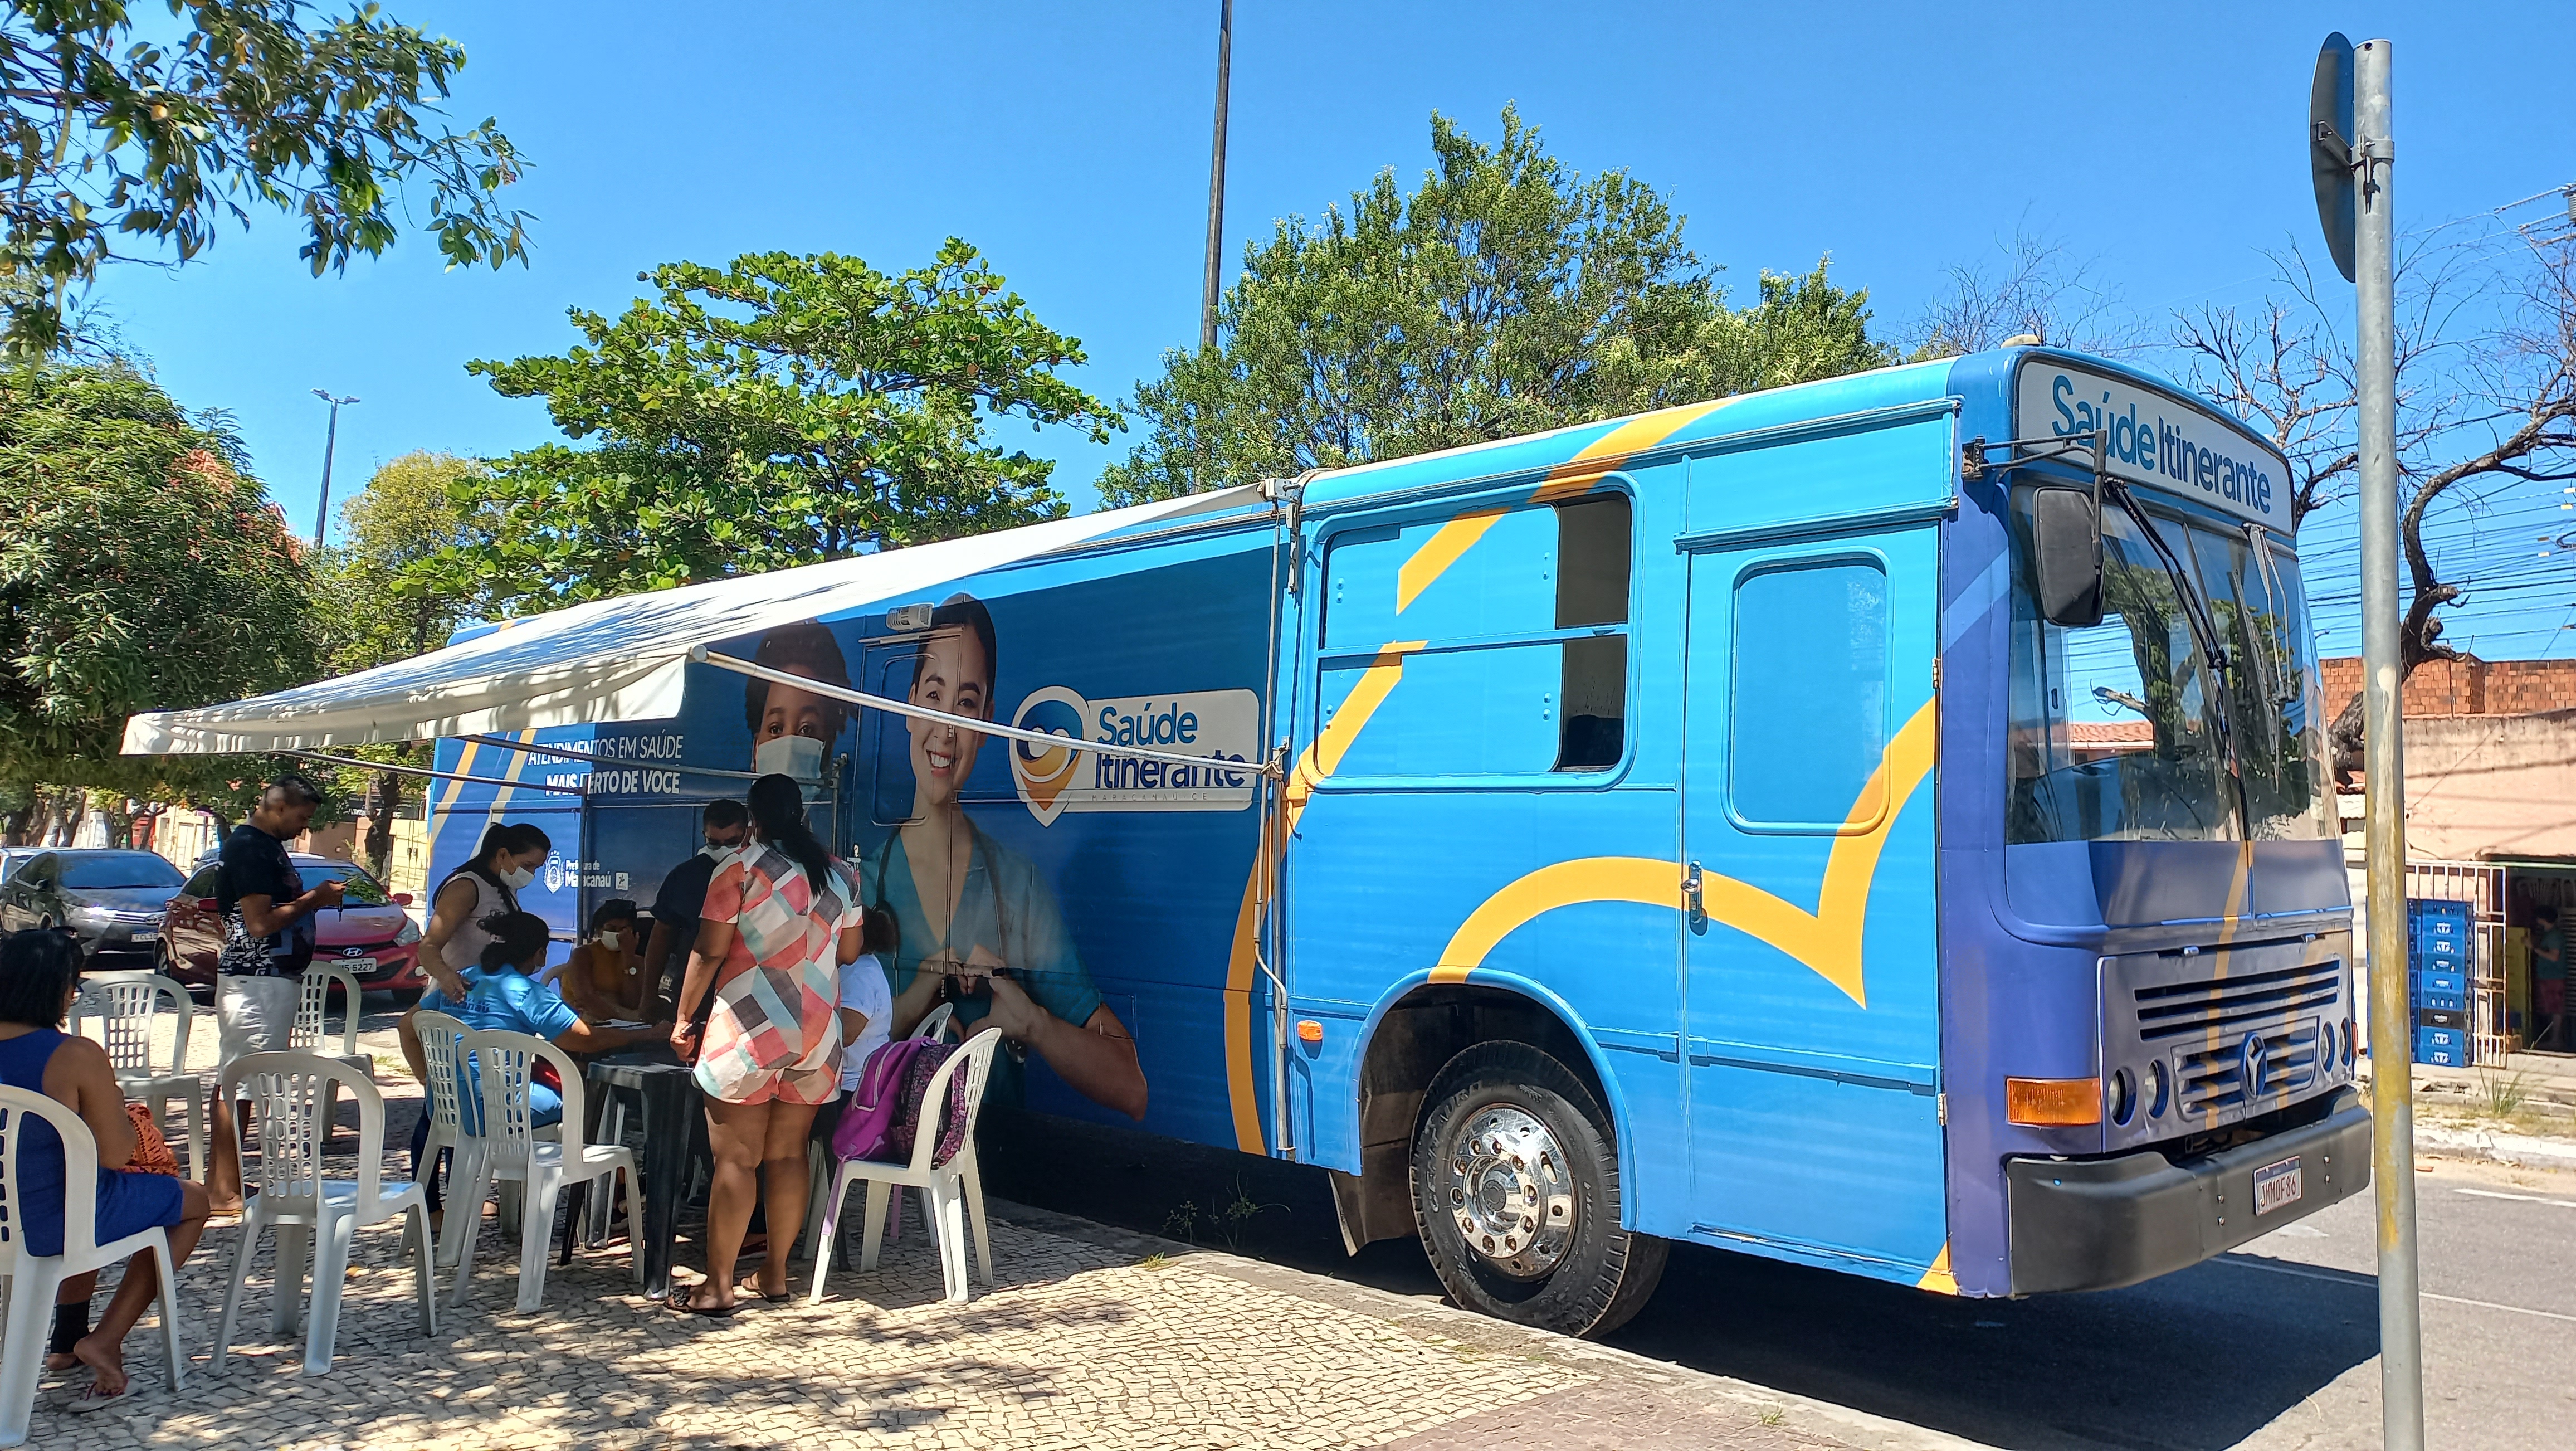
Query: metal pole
<point x="1216" y="177"/>
<point x="2392" y="1078"/>
<point x="330" y="445"/>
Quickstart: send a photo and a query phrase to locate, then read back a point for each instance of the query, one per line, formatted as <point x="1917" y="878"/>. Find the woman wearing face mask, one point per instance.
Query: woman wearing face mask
<point x="792" y="730"/>
<point x="604" y="978"/>
<point x="976" y="924"/>
<point x="486" y="886"/>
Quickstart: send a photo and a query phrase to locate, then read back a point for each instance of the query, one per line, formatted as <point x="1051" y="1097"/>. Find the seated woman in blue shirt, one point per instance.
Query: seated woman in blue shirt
<point x="501" y="992"/>
<point x="39" y="977"/>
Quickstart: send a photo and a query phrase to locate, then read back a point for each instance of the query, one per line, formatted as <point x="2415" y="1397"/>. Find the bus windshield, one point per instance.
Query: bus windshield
<point x="2116" y="729"/>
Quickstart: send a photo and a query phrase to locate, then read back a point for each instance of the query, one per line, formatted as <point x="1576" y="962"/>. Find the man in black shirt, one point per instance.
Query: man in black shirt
<point x="268" y="941"/>
<point x="683" y="897"/>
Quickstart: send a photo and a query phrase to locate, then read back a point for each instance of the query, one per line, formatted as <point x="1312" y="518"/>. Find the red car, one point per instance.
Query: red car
<point x="369" y="933"/>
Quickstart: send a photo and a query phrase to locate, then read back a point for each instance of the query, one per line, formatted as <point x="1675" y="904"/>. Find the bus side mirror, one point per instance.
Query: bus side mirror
<point x="2066" y="537"/>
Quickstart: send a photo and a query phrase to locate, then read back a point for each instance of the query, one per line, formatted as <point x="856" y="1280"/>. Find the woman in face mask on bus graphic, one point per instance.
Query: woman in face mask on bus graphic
<point x="793" y="730"/>
<point x="976" y="925"/>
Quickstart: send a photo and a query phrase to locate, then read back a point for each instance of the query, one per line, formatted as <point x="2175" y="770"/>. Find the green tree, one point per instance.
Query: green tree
<point x="1505" y="295"/>
<point x="107" y="135"/>
<point x="778" y="411"/>
<point x="140" y="569"/>
<point x="376" y="600"/>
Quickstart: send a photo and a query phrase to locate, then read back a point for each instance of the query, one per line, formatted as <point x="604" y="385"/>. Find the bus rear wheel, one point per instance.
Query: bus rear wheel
<point x="1516" y="1194"/>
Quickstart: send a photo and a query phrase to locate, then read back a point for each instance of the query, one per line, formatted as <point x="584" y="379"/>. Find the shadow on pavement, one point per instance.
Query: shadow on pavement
<point x="2199" y="1359"/>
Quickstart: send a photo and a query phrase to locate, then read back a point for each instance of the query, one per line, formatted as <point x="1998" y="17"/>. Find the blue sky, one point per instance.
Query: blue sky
<point x="1070" y="144"/>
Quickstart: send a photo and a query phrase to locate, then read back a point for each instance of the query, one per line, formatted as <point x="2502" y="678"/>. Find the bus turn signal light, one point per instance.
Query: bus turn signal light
<point x="1309" y="1031"/>
<point x="2053" y="1102"/>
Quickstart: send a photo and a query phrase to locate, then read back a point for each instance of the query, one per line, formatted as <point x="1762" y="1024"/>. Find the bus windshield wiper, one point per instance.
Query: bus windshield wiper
<point x="2204" y="629"/>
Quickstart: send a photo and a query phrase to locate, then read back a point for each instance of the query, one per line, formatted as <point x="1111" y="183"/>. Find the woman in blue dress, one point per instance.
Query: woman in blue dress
<point x="39" y="977"/>
<point x="977" y="925"/>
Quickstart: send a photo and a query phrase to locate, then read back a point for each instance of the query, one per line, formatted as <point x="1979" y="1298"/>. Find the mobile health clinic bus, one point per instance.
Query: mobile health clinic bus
<point x="1880" y="824"/>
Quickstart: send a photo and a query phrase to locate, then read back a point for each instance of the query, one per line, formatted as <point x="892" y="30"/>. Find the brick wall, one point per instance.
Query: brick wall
<point x="2466" y="687"/>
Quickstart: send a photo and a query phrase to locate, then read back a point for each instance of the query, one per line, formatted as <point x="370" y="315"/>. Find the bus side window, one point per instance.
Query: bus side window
<point x="1594" y="548"/>
<point x="1809" y="695"/>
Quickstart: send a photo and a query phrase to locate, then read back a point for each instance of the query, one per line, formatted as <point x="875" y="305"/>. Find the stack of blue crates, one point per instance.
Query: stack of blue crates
<point x="2437" y="939"/>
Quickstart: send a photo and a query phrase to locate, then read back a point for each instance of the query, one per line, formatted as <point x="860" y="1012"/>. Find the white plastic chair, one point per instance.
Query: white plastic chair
<point x="311" y="1032"/>
<point x="32" y="1278"/>
<point x="291" y="1092"/>
<point x="951" y="1192"/>
<point x="511" y="1147"/>
<point x="124" y="1005"/>
<point x="818" y="1157"/>
<point x="439" y="1033"/>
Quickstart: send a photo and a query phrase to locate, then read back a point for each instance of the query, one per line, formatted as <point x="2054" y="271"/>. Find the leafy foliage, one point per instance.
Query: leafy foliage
<point x="105" y="137"/>
<point x="373" y="601"/>
<point x="139" y="570"/>
<point x="778" y="411"/>
<point x="1506" y="295"/>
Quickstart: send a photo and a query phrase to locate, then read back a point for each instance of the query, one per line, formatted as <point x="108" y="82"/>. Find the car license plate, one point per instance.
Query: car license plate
<point x="2276" y="1185"/>
<point x="359" y="965"/>
<point x="145" y="934"/>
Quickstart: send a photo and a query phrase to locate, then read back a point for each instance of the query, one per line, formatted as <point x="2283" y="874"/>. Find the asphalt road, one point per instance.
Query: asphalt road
<point x="2274" y="1346"/>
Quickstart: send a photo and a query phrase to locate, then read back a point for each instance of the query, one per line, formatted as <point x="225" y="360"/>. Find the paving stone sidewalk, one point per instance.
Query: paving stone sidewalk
<point x="1093" y="1338"/>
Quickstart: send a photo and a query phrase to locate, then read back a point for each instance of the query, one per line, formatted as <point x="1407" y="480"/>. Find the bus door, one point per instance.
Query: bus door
<point x="1807" y="829"/>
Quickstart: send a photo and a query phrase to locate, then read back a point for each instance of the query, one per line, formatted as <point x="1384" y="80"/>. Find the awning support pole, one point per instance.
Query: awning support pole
<point x="705" y="656"/>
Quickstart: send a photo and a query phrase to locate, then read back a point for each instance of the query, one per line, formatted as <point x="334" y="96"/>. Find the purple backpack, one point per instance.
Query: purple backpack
<point x="884" y="1111"/>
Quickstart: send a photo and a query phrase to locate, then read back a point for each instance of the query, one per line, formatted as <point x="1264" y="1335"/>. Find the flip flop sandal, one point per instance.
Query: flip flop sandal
<point x="753" y="1289"/>
<point x="678" y="1299"/>
<point x="92" y="1399"/>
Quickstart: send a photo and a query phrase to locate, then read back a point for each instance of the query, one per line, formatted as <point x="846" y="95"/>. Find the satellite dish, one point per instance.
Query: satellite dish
<point x="2330" y="148"/>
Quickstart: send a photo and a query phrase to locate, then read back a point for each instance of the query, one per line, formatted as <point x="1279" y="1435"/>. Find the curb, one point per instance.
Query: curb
<point x="1861" y="1429"/>
<point x="2519" y="1150"/>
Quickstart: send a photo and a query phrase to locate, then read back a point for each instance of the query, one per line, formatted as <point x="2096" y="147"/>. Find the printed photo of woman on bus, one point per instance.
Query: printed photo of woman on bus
<point x="978" y="927"/>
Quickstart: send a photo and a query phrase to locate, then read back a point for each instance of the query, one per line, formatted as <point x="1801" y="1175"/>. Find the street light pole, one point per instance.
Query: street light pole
<point x="1216" y="177"/>
<point x="330" y="445"/>
<point x="2392" y="1049"/>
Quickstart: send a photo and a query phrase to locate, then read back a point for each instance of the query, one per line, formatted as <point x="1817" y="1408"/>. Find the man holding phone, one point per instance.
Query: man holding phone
<point x="268" y="941"/>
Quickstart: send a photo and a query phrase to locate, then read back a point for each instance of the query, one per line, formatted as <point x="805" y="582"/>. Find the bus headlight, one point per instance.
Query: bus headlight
<point x="2123" y="1096"/>
<point x="2325" y="1048"/>
<point x="2159" y="1088"/>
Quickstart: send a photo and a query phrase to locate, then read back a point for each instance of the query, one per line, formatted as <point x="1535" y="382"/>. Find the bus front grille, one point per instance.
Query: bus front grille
<point x="2227" y="1006"/>
<point x="2213" y="1079"/>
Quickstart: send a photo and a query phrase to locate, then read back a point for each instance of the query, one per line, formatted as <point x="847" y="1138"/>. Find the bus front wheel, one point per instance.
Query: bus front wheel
<point x="1516" y="1194"/>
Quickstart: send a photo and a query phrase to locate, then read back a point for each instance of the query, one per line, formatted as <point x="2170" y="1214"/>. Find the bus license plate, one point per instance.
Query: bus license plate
<point x="2276" y="1185"/>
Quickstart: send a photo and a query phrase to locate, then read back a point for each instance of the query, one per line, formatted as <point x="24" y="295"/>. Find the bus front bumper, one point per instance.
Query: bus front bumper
<point x="2098" y="1224"/>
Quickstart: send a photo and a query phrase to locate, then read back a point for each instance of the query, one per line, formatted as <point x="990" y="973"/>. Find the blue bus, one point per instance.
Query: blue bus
<point x="1880" y="824"/>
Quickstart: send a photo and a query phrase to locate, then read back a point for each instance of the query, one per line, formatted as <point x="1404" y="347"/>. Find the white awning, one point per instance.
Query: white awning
<point x="610" y="660"/>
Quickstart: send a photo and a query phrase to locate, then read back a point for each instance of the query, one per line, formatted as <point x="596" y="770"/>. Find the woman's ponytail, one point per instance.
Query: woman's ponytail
<point x="778" y="811"/>
<point x="516" y="937"/>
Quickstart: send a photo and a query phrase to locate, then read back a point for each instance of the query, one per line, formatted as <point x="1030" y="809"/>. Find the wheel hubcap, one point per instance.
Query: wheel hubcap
<point x="1510" y="1191"/>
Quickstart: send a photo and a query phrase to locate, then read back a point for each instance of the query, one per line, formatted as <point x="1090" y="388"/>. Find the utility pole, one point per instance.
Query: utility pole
<point x="330" y="445"/>
<point x="2392" y="1026"/>
<point x="2352" y="157"/>
<point x="1216" y="177"/>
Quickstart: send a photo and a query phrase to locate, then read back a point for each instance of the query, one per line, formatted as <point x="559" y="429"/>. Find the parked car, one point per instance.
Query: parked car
<point x="369" y="933"/>
<point x="109" y="897"/>
<point x="14" y="857"/>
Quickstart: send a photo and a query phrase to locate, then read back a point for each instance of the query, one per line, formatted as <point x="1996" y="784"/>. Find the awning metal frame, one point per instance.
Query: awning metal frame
<point x="704" y="656"/>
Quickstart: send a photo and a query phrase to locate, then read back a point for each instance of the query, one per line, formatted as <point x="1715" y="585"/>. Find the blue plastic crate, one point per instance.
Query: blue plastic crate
<point x="2428" y="1017"/>
<point x="2454" y="983"/>
<point x="2443" y="1047"/>
<point x="2441" y="1002"/>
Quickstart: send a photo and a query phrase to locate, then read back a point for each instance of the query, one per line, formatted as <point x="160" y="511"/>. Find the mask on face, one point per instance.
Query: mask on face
<point x="517" y="878"/>
<point x="612" y="940"/>
<point x="713" y="850"/>
<point x="797" y="756"/>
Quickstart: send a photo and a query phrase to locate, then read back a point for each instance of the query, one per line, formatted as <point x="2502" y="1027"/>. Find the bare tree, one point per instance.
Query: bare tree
<point x="2037" y="288"/>
<point x="2486" y="393"/>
